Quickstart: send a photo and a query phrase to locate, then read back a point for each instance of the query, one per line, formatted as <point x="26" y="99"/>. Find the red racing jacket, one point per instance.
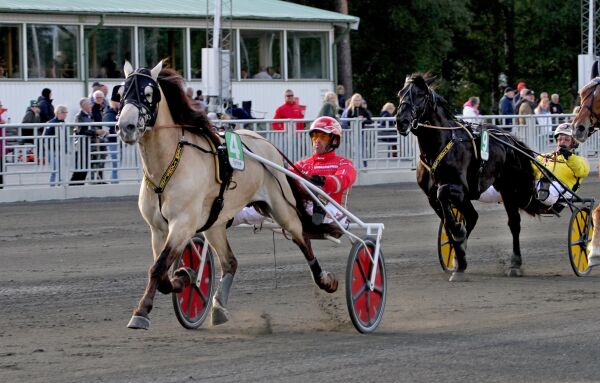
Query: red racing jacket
<point x="339" y="172"/>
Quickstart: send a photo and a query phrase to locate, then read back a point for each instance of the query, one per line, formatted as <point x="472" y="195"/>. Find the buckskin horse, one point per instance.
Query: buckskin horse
<point x="585" y="123"/>
<point x="181" y="195"/>
<point x="451" y="173"/>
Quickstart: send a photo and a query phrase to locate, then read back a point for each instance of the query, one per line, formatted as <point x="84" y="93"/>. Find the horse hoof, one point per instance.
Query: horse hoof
<point x="328" y="282"/>
<point x="219" y="314"/>
<point x="139" y="322"/>
<point x="458" y="276"/>
<point x="184" y="272"/>
<point x="514" y="272"/>
<point x="593" y="257"/>
<point x="461" y="235"/>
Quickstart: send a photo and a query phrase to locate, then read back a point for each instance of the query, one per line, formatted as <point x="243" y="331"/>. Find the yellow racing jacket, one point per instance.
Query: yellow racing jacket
<point x="569" y="172"/>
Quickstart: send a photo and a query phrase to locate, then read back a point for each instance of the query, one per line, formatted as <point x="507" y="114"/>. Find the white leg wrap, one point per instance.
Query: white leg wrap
<point x="491" y="195"/>
<point x="248" y="216"/>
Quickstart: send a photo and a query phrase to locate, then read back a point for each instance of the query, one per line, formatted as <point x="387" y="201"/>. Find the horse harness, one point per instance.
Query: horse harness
<point x="436" y="162"/>
<point x="223" y="175"/>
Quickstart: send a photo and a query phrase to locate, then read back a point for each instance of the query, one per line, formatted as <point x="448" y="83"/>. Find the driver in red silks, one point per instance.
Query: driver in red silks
<point x="334" y="174"/>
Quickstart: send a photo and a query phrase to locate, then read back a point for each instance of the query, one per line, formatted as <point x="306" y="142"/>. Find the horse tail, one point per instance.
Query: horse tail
<point x="521" y="172"/>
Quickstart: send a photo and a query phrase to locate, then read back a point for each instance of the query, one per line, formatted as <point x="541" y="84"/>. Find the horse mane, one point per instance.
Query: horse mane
<point x="183" y="110"/>
<point x="421" y="80"/>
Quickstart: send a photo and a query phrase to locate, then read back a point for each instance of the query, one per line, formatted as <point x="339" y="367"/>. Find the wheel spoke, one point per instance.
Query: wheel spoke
<point x="359" y="293"/>
<point x="189" y="302"/>
<point x="360" y="268"/>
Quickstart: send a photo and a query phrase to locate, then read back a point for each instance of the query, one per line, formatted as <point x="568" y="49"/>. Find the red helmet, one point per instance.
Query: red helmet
<point x="328" y="125"/>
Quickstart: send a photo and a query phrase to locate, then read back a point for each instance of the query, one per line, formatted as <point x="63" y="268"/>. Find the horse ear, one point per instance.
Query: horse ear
<point x="156" y="70"/>
<point x="430" y="80"/>
<point x="127" y="69"/>
<point x="594" y="70"/>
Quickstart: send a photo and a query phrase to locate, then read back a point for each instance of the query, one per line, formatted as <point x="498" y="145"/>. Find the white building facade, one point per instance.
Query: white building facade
<point x="67" y="45"/>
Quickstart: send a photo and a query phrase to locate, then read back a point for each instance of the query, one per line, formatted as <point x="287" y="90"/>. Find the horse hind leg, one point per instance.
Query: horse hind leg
<point x="287" y="217"/>
<point x="217" y="238"/>
<point x="514" y="223"/>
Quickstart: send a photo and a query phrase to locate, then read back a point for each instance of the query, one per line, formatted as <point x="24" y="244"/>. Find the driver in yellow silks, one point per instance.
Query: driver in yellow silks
<point x="569" y="168"/>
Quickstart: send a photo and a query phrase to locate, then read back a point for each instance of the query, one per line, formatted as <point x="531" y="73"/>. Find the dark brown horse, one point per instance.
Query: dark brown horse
<point x="452" y="174"/>
<point x="585" y="123"/>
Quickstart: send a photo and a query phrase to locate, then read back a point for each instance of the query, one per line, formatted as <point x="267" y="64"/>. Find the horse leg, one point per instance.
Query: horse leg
<point x="594" y="255"/>
<point x="447" y="194"/>
<point x="287" y="217"/>
<point x="158" y="273"/>
<point x="514" y="223"/>
<point x="217" y="238"/>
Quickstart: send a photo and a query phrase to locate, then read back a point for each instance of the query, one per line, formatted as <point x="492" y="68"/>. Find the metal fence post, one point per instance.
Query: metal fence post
<point x="63" y="155"/>
<point x="356" y="143"/>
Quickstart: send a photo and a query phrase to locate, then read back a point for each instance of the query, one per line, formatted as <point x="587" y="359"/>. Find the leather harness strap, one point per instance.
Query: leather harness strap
<point x="223" y="176"/>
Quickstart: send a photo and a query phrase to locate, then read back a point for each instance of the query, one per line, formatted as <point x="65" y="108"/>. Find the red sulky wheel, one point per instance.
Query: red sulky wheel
<point x="194" y="301"/>
<point x="365" y="306"/>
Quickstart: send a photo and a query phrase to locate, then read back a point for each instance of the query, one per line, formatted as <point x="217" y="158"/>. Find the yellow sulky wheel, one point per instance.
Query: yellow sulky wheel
<point x="580" y="234"/>
<point x="446" y="253"/>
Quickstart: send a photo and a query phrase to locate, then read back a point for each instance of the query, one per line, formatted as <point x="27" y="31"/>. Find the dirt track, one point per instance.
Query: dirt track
<point x="72" y="272"/>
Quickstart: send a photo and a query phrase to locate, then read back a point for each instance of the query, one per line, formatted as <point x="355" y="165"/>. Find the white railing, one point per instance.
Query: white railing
<point x="37" y="160"/>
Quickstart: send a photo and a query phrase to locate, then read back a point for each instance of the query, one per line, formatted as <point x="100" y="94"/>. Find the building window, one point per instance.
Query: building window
<point x="161" y="43"/>
<point x="260" y="55"/>
<point x="197" y="42"/>
<point x="52" y="51"/>
<point x="307" y="55"/>
<point x="107" y="50"/>
<point x="10" y="52"/>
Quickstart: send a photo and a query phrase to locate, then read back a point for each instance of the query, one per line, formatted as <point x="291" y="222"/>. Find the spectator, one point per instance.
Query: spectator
<point x="356" y="109"/>
<point x="555" y="106"/>
<point x="544" y="96"/>
<point x="98" y="106"/>
<point x="262" y="74"/>
<point x="3" y="120"/>
<point x="389" y="135"/>
<point x="46" y="107"/>
<point x="110" y="115"/>
<point x="273" y="73"/>
<point x="110" y="66"/>
<point x="526" y="106"/>
<point x="32" y="116"/>
<point x="52" y="156"/>
<point x="507" y="107"/>
<point x="189" y="92"/>
<point x="330" y="105"/>
<point x="289" y="109"/>
<point x="81" y="152"/>
<point x="521" y="87"/>
<point x="544" y="121"/>
<point x="341" y="95"/>
<point x="471" y="109"/>
<point x="244" y="74"/>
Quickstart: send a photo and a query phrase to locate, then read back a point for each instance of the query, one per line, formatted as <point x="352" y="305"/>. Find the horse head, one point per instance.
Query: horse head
<point x="587" y="118"/>
<point x="139" y="102"/>
<point x="415" y="99"/>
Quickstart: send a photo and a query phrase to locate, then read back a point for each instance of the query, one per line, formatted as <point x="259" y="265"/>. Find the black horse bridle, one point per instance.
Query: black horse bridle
<point x="595" y="125"/>
<point x="414" y="113"/>
<point x="148" y="109"/>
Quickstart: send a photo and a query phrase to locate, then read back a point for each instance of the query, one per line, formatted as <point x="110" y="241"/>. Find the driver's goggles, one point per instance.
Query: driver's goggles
<point x="319" y="135"/>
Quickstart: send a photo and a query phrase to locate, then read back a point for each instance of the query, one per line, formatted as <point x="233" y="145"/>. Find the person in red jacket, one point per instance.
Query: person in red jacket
<point x="334" y="174"/>
<point x="289" y="109"/>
